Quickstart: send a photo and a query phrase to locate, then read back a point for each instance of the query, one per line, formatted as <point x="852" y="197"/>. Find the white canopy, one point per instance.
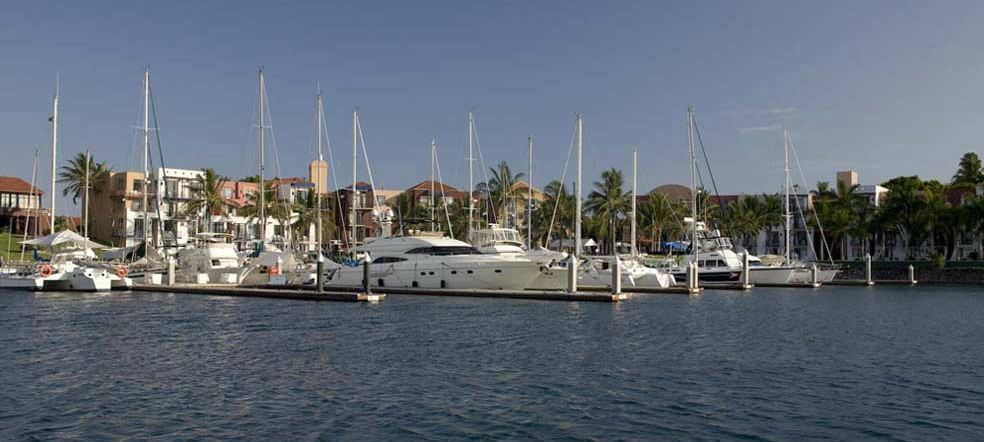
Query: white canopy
<point x="63" y="237"/>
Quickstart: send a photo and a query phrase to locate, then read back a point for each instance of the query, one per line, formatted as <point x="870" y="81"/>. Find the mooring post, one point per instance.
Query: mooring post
<point x="170" y="270"/>
<point x="616" y="276"/>
<point x="814" y="277"/>
<point x="320" y="277"/>
<point x="366" y="289"/>
<point x="572" y="275"/>
<point x="867" y="269"/>
<point x="912" y="274"/>
<point x="691" y="277"/>
<point x="745" y="273"/>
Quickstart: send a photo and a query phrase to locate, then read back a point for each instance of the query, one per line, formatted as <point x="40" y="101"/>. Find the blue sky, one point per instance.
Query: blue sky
<point x="881" y="87"/>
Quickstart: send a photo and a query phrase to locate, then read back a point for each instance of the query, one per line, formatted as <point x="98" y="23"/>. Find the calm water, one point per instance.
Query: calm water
<point x="837" y="363"/>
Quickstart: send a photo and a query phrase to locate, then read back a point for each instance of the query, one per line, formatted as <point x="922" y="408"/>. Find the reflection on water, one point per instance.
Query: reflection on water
<point x="836" y="363"/>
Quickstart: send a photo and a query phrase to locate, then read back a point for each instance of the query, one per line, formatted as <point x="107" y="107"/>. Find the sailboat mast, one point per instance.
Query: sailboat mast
<point x="261" y="131"/>
<point x="577" y="185"/>
<point x="694" y="242"/>
<point x="355" y="171"/>
<point x="632" y="242"/>
<point x="30" y="206"/>
<point x="433" y="149"/>
<point x="318" y="182"/>
<point x="146" y="157"/>
<point x="471" y="184"/>
<point x="529" y="200"/>
<point x="788" y="216"/>
<point x="85" y="199"/>
<point x="54" y="155"/>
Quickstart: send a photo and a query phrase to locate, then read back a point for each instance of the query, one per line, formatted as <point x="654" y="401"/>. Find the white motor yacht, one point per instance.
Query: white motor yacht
<point x="434" y="261"/>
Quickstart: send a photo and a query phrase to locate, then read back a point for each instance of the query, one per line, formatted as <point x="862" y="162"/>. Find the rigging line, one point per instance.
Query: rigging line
<point x="823" y="237"/>
<point x="481" y="161"/>
<point x="709" y="171"/>
<point x="365" y="156"/>
<point x="443" y="198"/>
<point x="563" y="178"/>
<point x="160" y="152"/>
<point x="334" y="177"/>
<point x="276" y="161"/>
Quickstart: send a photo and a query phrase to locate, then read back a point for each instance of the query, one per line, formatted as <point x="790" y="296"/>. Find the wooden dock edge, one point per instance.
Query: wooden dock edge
<point x="253" y="292"/>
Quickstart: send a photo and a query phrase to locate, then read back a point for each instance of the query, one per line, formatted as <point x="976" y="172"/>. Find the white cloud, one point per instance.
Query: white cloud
<point x="756" y="129"/>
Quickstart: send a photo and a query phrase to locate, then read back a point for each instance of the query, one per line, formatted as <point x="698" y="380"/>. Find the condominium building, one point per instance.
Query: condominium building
<point x="20" y="207"/>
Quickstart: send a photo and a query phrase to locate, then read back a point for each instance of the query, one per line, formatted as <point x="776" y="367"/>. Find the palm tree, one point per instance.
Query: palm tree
<point x="207" y="197"/>
<point x="659" y="217"/>
<point x="275" y="208"/>
<point x="556" y="214"/>
<point x="307" y="216"/>
<point x="501" y="188"/>
<point x="73" y="176"/>
<point x="609" y="203"/>
<point x="907" y="204"/>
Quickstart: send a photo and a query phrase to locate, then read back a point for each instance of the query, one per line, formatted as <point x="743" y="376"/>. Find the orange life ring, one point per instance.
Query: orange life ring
<point x="274" y="271"/>
<point x="122" y="271"/>
<point x="45" y="270"/>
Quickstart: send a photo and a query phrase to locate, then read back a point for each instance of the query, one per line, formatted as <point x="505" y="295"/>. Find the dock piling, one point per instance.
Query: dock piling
<point x="572" y="275"/>
<point x="616" y="276"/>
<point x="867" y="270"/>
<point x="170" y="271"/>
<point x="745" y="274"/>
<point x="814" y="278"/>
<point x="366" y="287"/>
<point x="912" y="274"/>
<point x="319" y="279"/>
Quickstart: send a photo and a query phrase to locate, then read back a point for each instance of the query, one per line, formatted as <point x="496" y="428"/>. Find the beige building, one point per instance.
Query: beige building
<point x="318" y="174"/>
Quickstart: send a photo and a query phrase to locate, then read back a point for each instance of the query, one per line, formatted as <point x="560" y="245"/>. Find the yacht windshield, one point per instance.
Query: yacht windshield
<point x="444" y="250"/>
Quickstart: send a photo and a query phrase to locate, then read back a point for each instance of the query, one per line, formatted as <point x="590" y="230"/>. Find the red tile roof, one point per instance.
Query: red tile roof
<point x="11" y="184"/>
<point x="425" y="185"/>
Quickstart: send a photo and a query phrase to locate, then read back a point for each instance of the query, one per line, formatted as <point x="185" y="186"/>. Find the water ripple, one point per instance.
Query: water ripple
<point x="832" y="364"/>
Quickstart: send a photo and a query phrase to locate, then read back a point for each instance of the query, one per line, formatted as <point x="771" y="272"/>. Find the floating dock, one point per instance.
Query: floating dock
<point x="255" y="292"/>
<point x="862" y="282"/>
<point x="800" y="285"/>
<point x="593" y="294"/>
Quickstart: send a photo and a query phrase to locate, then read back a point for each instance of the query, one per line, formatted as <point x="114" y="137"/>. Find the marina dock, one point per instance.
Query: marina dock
<point x="255" y="292"/>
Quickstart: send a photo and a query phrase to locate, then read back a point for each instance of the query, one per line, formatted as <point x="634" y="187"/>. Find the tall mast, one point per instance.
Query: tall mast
<point x="261" y="130"/>
<point x="318" y="184"/>
<point x="30" y="205"/>
<point x="471" y="185"/>
<point x="529" y="200"/>
<point x="433" y="151"/>
<point x="54" y="154"/>
<point x="146" y="157"/>
<point x="577" y="185"/>
<point x="694" y="242"/>
<point x="85" y="199"/>
<point x="788" y="216"/>
<point x="635" y="158"/>
<point x="355" y="171"/>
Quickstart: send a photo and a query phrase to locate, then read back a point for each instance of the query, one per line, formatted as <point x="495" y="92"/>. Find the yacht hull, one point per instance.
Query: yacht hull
<point x="515" y="275"/>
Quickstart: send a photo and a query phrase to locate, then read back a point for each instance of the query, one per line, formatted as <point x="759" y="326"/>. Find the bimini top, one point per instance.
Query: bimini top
<point x="62" y="238"/>
<point x="423" y="245"/>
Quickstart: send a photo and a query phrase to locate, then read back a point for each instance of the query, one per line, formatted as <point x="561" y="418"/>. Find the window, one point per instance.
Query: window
<point x="444" y="251"/>
<point x="226" y="193"/>
<point x="387" y="260"/>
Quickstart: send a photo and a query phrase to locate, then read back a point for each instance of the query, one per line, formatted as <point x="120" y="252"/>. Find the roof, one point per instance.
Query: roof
<point x="12" y="184"/>
<point x="673" y="192"/>
<point x="438" y="187"/>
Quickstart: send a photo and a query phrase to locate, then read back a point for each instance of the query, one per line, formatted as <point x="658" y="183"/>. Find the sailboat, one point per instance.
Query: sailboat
<point x="597" y="271"/>
<point x="66" y="271"/>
